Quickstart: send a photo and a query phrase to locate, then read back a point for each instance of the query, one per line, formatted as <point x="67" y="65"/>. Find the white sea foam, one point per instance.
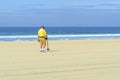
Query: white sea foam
<point x="85" y="35"/>
<point x="63" y="37"/>
<point x="27" y="36"/>
<point x="81" y="35"/>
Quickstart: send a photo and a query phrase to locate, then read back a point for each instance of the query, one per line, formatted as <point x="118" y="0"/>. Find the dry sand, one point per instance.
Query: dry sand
<point x="66" y="60"/>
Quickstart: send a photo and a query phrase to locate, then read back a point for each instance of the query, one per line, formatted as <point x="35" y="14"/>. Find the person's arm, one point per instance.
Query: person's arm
<point x="38" y="37"/>
<point x="46" y="37"/>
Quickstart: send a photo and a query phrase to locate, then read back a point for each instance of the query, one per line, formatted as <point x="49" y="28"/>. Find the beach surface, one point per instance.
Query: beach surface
<point x="66" y="60"/>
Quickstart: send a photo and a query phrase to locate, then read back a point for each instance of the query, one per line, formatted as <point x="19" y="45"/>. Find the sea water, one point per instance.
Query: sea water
<point x="59" y="33"/>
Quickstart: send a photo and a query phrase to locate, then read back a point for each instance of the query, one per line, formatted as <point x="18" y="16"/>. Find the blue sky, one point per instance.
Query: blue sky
<point x="59" y="13"/>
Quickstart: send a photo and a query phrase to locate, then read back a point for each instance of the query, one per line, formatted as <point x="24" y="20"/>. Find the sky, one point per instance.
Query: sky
<point x="30" y="13"/>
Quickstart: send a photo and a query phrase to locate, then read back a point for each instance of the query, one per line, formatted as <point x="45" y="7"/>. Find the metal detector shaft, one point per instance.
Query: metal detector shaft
<point x="47" y="45"/>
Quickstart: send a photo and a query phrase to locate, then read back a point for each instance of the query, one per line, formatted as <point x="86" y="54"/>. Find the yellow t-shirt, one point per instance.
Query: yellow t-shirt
<point x="42" y="32"/>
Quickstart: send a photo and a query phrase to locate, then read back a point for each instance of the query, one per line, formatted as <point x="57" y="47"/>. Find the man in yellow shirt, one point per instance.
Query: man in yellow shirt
<point x="42" y="37"/>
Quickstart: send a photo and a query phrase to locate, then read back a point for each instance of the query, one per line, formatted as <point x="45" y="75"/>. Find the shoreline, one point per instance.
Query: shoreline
<point x="61" y="40"/>
<point x="61" y="37"/>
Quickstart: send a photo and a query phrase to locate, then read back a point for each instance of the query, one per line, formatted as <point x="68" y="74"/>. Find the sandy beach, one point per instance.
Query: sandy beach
<point x="66" y="60"/>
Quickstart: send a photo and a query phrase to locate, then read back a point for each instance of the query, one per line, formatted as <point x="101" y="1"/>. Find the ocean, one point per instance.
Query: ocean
<point x="59" y="33"/>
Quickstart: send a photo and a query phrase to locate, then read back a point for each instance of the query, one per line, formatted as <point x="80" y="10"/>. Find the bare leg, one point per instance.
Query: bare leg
<point x="41" y="44"/>
<point x="44" y="45"/>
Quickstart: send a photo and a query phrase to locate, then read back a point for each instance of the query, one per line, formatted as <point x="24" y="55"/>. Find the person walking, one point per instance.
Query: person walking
<point x="42" y="37"/>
